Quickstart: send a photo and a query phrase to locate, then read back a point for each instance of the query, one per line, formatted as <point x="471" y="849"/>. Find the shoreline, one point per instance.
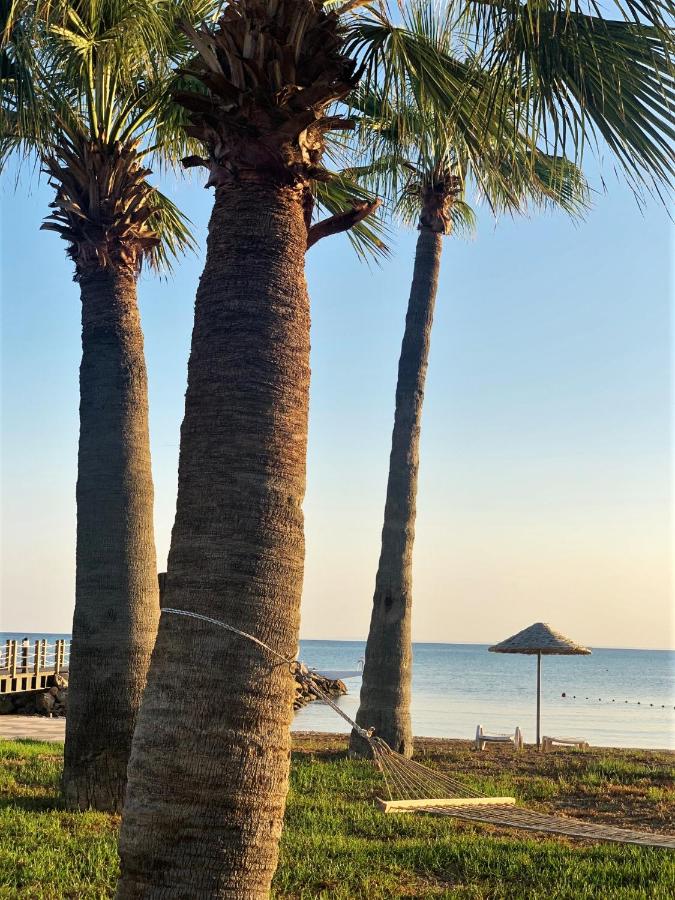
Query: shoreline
<point x="42" y="728"/>
<point x="442" y="744"/>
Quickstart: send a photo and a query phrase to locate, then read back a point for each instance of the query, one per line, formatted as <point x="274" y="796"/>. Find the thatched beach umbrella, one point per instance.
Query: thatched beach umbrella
<point x="542" y="640"/>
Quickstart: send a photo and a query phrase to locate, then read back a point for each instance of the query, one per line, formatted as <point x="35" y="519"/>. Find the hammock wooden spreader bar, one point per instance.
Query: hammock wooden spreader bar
<point x="391" y="806"/>
<point x="415" y="788"/>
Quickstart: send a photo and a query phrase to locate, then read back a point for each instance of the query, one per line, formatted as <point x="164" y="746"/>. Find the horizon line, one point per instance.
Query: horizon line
<point x="670" y="649"/>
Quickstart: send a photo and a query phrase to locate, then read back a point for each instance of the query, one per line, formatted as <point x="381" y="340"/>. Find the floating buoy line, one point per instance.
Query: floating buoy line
<point x="566" y="696"/>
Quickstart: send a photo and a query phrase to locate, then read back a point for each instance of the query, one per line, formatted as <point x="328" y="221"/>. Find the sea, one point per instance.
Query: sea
<point x="613" y="698"/>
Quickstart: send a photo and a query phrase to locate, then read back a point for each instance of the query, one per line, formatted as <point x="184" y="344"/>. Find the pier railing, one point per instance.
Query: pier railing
<point x="30" y="665"/>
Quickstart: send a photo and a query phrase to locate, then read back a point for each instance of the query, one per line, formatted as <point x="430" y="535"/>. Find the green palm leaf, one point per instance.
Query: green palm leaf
<point x="506" y="171"/>
<point x="368" y="237"/>
<point x="582" y="77"/>
<point x="173" y="229"/>
<point x="548" y="71"/>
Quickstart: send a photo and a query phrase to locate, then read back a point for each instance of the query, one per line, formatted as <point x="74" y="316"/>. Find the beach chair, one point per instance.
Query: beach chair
<point x="483" y="738"/>
<point x="549" y="742"/>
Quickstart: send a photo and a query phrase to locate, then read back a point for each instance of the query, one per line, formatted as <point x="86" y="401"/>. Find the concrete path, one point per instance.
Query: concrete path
<point x="40" y="728"/>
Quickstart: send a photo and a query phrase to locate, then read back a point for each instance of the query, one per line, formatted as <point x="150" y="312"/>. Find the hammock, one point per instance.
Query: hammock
<point x="414" y="788"/>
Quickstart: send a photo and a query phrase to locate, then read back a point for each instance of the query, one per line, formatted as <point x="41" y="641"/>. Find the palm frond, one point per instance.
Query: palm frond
<point x="368" y="237"/>
<point x="582" y="77"/>
<point x="557" y="181"/>
<point x="402" y="62"/>
<point x="464" y="222"/>
<point x="174" y="230"/>
<point x="486" y="18"/>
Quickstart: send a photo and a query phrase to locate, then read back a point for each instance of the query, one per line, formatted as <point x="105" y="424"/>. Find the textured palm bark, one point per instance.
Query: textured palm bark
<point x="206" y="793"/>
<point x="387" y="675"/>
<point x="116" y="592"/>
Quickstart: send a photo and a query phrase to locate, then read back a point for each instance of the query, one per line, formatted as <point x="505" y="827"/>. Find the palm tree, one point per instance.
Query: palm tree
<point x="209" y="763"/>
<point x="428" y="179"/>
<point x="215" y="719"/>
<point x="84" y="94"/>
<point x="578" y="77"/>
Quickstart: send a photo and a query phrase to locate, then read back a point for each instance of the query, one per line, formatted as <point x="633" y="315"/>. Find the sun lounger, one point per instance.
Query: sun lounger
<point x="483" y="739"/>
<point x="549" y="742"/>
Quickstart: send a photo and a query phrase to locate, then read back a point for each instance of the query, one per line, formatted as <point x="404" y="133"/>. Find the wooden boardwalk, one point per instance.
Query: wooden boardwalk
<point x="26" y="666"/>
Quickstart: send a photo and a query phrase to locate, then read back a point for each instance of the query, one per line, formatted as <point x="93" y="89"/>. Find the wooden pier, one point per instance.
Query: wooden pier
<point x="30" y="666"/>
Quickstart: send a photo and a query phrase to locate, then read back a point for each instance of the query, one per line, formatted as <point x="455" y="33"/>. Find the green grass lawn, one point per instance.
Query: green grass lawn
<point x="337" y="845"/>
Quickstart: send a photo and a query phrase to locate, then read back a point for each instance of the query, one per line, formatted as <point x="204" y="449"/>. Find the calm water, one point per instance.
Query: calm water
<point x="456" y="686"/>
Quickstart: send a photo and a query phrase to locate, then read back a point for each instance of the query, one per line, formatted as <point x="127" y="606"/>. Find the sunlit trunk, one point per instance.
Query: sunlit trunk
<point x="116" y="593"/>
<point x="209" y="766"/>
<point x="387" y="673"/>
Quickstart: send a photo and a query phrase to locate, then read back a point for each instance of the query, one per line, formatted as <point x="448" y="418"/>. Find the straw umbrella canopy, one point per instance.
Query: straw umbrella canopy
<point x="542" y="640"/>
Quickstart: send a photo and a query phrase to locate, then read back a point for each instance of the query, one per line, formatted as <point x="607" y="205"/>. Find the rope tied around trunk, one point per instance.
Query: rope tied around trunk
<point x="298" y="669"/>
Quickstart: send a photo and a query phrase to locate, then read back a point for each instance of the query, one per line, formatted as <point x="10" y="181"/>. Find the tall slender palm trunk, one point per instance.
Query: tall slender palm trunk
<point x="116" y="592"/>
<point x="387" y="675"/>
<point x="206" y="793"/>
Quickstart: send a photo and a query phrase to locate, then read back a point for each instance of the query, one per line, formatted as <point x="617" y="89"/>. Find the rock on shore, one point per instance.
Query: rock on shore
<point x="49" y="702"/>
<point x="303" y="692"/>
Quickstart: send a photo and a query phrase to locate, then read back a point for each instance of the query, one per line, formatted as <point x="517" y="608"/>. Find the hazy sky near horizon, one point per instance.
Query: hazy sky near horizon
<point x="546" y="461"/>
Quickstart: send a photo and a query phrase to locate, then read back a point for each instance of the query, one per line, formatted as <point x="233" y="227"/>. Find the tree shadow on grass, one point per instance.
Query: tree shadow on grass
<point x="33" y="804"/>
<point x="319" y="755"/>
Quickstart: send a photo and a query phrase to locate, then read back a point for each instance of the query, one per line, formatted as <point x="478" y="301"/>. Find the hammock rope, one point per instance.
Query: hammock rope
<point x="413" y="787"/>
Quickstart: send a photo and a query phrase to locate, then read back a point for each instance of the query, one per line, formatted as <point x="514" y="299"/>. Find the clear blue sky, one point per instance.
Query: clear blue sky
<point x="545" y="487"/>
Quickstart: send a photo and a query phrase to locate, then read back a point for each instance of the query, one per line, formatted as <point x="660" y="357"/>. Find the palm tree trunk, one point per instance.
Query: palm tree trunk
<point x="209" y="765"/>
<point x="387" y="675"/>
<point x="116" y="592"/>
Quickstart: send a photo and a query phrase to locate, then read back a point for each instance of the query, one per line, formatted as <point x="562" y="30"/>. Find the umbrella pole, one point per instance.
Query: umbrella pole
<point x="538" y="701"/>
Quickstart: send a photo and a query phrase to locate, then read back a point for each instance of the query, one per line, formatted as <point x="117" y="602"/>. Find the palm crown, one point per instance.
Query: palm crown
<point x="552" y="73"/>
<point x="86" y="90"/>
<point x="529" y="83"/>
<point x="426" y="170"/>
